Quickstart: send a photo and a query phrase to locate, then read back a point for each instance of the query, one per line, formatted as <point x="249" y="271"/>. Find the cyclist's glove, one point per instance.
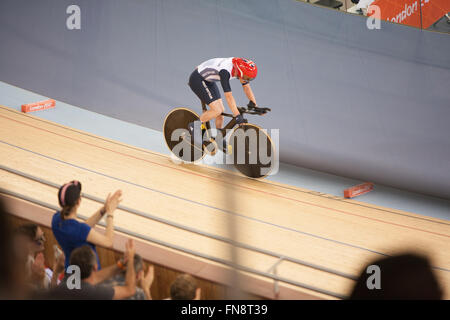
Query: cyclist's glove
<point x="240" y="119"/>
<point x="251" y="105"/>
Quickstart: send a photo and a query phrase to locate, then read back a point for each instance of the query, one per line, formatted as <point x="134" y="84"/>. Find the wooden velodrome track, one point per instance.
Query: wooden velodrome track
<point x="324" y="230"/>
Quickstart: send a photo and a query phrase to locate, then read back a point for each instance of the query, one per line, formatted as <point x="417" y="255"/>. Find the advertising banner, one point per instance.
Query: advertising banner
<point x="416" y="13"/>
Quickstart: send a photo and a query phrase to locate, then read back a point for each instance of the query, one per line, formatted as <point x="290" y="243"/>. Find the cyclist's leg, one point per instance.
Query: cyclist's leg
<point x="209" y="94"/>
<point x="219" y="117"/>
<point x="215" y="111"/>
<point x="213" y="100"/>
<point x="218" y="108"/>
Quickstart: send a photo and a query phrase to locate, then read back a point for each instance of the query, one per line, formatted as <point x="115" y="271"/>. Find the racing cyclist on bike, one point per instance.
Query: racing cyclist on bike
<point x="203" y="82"/>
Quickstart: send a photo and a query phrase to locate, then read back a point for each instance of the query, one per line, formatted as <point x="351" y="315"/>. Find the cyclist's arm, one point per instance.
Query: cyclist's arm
<point x="232" y="103"/>
<point x="225" y="81"/>
<point x="248" y="91"/>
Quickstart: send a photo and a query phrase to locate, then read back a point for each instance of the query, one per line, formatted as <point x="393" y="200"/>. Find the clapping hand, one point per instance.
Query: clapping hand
<point x="113" y="201"/>
<point x="38" y="268"/>
<point x="147" y="280"/>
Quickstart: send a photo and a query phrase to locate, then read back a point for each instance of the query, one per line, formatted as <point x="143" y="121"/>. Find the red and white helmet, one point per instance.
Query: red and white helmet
<point x="245" y="69"/>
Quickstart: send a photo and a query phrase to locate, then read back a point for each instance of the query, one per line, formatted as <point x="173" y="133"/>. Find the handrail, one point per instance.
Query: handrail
<point x="185" y="228"/>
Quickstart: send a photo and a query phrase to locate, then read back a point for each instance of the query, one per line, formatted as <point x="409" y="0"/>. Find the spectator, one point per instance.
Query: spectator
<point x="71" y="233"/>
<point x="13" y="258"/>
<point x="406" y="276"/>
<point x="38" y="275"/>
<point x="144" y="281"/>
<point x="184" y="288"/>
<point x="7" y="256"/>
<point x="84" y="257"/>
<point x="58" y="266"/>
<point x="363" y="4"/>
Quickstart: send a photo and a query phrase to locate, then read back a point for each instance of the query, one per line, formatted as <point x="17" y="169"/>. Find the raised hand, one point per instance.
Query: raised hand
<point x="147" y="280"/>
<point x="58" y="265"/>
<point x="38" y="268"/>
<point x="113" y="201"/>
<point x="129" y="249"/>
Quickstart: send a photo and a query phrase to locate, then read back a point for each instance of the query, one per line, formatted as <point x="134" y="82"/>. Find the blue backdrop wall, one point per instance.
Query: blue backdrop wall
<point x="369" y="104"/>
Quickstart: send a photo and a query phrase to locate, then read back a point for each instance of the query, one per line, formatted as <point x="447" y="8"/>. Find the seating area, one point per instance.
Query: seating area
<point x="39" y="276"/>
<point x="329" y="3"/>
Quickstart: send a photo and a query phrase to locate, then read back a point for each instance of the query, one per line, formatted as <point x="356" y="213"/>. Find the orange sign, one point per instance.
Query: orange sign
<point x="410" y="12"/>
<point x="42" y="105"/>
<point x="358" y="190"/>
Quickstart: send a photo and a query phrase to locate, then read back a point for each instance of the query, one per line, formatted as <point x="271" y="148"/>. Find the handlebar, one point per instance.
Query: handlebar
<point x="254" y="110"/>
<point x="250" y="110"/>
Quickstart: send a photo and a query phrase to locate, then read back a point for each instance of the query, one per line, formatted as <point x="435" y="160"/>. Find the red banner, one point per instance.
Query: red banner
<point x="409" y="12"/>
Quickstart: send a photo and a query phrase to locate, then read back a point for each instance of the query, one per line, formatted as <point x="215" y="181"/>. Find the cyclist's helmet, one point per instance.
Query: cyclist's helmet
<point x="246" y="69"/>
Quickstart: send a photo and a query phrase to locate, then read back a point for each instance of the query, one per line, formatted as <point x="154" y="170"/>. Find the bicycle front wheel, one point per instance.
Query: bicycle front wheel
<point x="253" y="151"/>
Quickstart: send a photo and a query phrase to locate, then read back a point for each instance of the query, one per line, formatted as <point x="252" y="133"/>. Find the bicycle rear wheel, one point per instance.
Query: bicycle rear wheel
<point x="253" y="151"/>
<point x="177" y="136"/>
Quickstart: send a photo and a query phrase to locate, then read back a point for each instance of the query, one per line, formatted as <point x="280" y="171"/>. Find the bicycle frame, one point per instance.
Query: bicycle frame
<point x="232" y="123"/>
<point x="229" y="125"/>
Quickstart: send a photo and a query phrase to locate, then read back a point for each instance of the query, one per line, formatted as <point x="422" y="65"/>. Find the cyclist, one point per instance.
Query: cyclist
<point x="203" y="82"/>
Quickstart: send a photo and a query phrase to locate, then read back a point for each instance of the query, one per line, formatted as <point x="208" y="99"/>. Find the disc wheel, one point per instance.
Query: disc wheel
<point x="177" y="136"/>
<point x="252" y="151"/>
